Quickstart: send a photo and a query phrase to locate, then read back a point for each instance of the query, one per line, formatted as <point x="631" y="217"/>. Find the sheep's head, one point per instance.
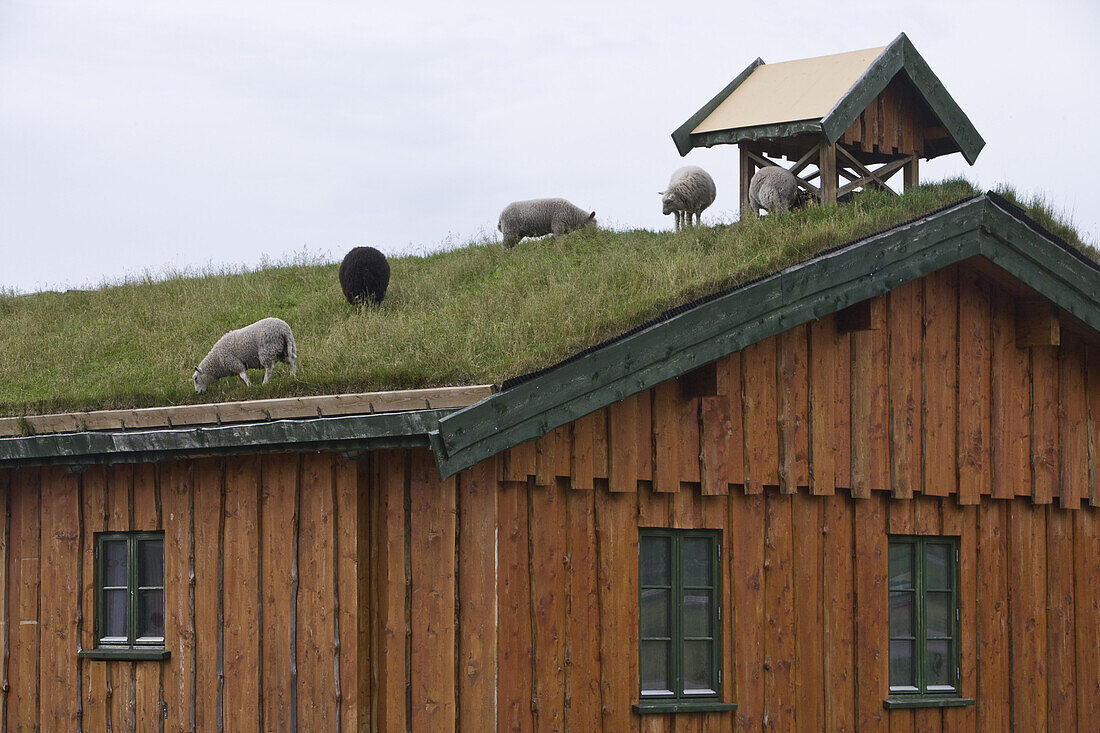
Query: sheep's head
<point x="201" y="380"/>
<point x="669" y="202"/>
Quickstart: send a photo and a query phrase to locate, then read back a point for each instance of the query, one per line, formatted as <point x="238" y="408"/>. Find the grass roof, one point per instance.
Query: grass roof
<point x="471" y="315"/>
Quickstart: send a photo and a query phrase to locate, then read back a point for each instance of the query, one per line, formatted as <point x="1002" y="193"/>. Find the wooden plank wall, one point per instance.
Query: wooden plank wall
<point x="542" y="584"/>
<point x="816" y="447"/>
<point x="261" y="596"/>
<point x="894" y="122"/>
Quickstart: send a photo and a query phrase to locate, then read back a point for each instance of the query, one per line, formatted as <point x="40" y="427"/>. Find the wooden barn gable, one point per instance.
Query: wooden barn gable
<point x="977" y="265"/>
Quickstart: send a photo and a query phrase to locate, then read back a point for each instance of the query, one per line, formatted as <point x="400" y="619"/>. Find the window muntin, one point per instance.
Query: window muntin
<point x="678" y="614"/>
<point x="129" y="590"/>
<point x="923" y="603"/>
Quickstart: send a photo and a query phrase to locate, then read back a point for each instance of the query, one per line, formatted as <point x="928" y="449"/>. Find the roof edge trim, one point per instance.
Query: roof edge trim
<point x="682" y="135"/>
<point x="346" y="434"/>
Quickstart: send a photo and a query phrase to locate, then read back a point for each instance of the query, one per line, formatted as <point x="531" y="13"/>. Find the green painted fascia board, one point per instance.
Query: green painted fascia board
<point x="809" y="290"/>
<point x="682" y="135"/>
<point x="1060" y="276"/>
<point x="868" y="86"/>
<point x="351" y="433"/>
<point x="760" y="132"/>
<point x="901" y="55"/>
<point x="954" y="120"/>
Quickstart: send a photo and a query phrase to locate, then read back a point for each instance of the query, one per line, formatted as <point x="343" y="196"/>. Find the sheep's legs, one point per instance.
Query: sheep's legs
<point x="244" y="378"/>
<point x="267" y="374"/>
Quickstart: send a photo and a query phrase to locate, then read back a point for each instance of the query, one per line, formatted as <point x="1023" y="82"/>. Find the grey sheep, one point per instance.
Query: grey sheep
<point x="258" y="346"/>
<point x="773" y="189"/>
<point x="690" y="190"/>
<point x="536" y="217"/>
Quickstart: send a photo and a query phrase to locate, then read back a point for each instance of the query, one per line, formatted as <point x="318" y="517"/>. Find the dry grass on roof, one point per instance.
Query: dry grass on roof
<point x="475" y="314"/>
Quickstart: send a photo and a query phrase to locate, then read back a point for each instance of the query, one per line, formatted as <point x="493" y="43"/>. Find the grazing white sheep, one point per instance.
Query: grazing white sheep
<point x="773" y="189"/>
<point x="258" y="346"/>
<point x="690" y="190"/>
<point x="536" y="217"/>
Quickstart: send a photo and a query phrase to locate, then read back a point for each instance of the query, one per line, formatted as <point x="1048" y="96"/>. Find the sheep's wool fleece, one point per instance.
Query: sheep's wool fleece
<point x="773" y="189"/>
<point x="537" y="217"/>
<point x="256" y="346"/>
<point x="690" y="189"/>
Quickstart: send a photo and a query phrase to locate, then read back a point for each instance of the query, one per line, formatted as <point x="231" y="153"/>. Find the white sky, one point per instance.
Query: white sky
<point x="145" y="137"/>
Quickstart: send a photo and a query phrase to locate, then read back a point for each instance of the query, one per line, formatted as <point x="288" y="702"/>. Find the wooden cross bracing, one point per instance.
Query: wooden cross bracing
<point x="832" y="162"/>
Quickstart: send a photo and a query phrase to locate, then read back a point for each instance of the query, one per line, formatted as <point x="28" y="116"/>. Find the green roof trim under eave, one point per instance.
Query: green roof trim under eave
<point x="761" y="132"/>
<point x="900" y="55"/>
<point x="823" y="284"/>
<point x="339" y="434"/>
<point x="682" y="135"/>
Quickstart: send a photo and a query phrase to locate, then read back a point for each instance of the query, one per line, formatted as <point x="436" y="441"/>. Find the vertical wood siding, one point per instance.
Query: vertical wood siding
<point x="816" y="447"/>
<point x="311" y="591"/>
<point x="545" y="600"/>
<point x="230" y="614"/>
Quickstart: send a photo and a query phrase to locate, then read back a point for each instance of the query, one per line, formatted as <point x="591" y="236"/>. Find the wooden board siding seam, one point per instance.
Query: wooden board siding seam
<point x="260" y="546"/>
<point x="1092" y="379"/>
<point x="5" y="597"/>
<point x="337" y="690"/>
<point x="531" y="618"/>
<point x="80" y="534"/>
<point x="193" y="647"/>
<point x="220" y="613"/>
<point x="406" y="498"/>
<point x="292" y="620"/>
<point x="456" y="610"/>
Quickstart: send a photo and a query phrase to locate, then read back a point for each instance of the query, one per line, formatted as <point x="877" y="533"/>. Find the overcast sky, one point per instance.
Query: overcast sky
<point x="143" y="137"/>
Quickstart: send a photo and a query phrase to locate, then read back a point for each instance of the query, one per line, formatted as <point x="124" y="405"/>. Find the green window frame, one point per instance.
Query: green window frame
<point x="679" y="621"/>
<point x="923" y="606"/>
<point x="129" y="596"/>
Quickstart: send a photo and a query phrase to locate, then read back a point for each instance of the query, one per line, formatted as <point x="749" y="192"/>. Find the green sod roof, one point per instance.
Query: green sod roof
<point x="472" y="315"/>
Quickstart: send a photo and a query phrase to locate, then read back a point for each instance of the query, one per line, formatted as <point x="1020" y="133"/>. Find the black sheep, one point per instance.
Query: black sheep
<point x="364" y="276"/>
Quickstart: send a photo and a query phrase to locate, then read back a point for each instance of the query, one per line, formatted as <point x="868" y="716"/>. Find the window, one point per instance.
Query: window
<point x="679" y="645"/>
<point x="924" y="636"/>
<point x="129" y="587"/>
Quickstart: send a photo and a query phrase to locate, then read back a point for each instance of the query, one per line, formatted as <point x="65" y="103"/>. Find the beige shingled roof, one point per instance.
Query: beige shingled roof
<point x="790" y="91"/>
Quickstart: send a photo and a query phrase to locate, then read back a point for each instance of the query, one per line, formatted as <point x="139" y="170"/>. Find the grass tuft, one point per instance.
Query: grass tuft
<point x="471" y="314"/>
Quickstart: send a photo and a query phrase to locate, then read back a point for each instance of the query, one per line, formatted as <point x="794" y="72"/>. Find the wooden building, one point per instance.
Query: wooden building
<point x="834" y="118"/>
<point x="758" y="510"/>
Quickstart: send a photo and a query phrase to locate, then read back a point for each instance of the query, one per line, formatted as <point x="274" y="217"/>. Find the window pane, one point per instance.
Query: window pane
<point x="937" y="614"/>
<point x="114" y="614"/>
<point x="698" y="660"/>
<point x="654" y="666"/>
<point x="697" y="553"/>
<point x="151" y="563"/>
<point x="902" y="607"/>
<point x="937" y="566"/>
<point x="901" y="565"/>
<point x="697" y="614"/>
<point x="654" y="560"/>
<point x="114" y="563"/>
<point x="902" y="673"/>
<point x="937" y="667"/>
<point x="654" y="621"/>
<point x="151" y="614"/>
